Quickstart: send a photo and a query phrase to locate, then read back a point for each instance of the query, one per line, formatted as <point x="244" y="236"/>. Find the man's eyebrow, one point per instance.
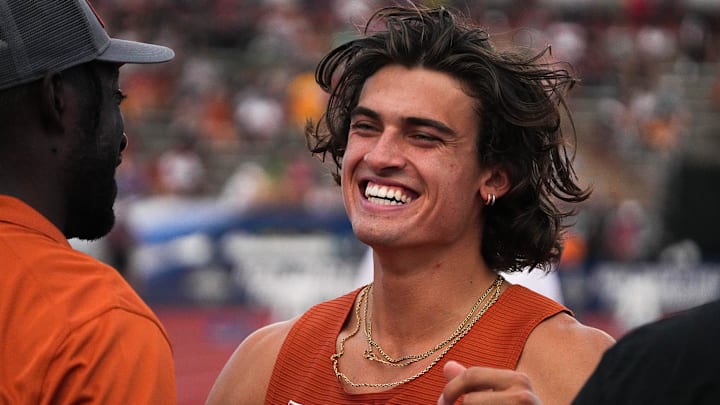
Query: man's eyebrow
<point x="364" y="111"/>
<point x="427" y="122"/>
<point x="414" y="121"/>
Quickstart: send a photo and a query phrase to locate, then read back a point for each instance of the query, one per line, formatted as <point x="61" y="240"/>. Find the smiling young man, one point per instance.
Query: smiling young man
<point x="450" y="155"/>
<point x="71" y="329"/>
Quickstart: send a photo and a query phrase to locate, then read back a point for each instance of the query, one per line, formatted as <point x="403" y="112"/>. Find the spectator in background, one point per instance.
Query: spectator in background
<point x="304" y="98"/>
<point x="71" y="329"/>
<point x="181" y="170"/>
<point x="450" y="155"/>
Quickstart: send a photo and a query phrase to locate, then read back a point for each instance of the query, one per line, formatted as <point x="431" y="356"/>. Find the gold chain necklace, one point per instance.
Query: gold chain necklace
<point x="335" y="358"/>
<point x="410" y="359"/>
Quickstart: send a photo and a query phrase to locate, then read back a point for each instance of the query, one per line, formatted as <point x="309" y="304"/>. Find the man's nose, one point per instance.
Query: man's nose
<point x="387" y="152"/>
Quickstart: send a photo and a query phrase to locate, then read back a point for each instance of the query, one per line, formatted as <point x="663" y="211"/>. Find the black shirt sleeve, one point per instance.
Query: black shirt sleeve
<point x="672" y="361"/>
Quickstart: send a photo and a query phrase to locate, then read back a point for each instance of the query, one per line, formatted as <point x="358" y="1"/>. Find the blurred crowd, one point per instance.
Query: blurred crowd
<point x="223" y="122"/>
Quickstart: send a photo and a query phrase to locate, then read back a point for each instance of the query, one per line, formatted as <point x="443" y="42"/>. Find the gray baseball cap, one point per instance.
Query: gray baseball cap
<point x="38" y="36"/>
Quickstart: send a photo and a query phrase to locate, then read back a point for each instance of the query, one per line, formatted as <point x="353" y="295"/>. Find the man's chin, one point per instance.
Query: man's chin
<point x="92" y="230"/>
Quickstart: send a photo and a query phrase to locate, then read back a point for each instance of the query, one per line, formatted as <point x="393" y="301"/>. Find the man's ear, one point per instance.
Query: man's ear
<point x="53" y="101"/>
<point x="494" y="183"/>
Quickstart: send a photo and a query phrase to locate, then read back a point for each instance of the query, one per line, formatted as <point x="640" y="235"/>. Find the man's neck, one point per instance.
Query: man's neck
<point x="418" y="299"/>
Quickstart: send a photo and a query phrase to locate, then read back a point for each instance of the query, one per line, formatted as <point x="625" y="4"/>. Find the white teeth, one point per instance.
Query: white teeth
<point x="385" y="195"/>
<point x="374" y="189"/>
<point x="382" y="192"/>
<point x="382" y="201"/>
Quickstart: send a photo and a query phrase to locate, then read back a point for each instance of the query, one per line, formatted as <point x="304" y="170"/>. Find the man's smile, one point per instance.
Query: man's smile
<point x="386" y="195"/>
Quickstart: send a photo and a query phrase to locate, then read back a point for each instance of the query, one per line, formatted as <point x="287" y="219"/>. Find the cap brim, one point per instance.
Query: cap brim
<point x="123" y="51"/>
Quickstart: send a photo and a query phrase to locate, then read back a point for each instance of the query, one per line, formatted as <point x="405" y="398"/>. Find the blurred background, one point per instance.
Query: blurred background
<point x="226" y="222"/>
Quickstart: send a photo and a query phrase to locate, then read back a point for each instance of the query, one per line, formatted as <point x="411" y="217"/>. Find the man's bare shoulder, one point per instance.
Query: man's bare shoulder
<point x="246" y="376"/>
<point x="560" y="355"/>
<point x="563" y="329"/>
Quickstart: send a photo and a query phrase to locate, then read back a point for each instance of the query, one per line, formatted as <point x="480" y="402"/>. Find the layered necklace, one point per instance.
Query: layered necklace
<point x="374" y="351"/>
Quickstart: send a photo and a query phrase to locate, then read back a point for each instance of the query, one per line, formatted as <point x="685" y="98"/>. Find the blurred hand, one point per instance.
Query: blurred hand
<point x="483" y="385"/>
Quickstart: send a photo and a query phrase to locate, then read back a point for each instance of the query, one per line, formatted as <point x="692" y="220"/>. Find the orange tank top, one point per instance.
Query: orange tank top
<point x="306" y="377"/>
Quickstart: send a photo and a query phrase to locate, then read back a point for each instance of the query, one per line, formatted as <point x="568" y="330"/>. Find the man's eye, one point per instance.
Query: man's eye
<point x="120" y="96"/>
<point x="361" y="126"/>
<point x="363" y="129"/>
<point x="426" y="138"/>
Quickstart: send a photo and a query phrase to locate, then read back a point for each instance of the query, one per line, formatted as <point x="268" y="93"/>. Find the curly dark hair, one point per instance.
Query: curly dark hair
<point x="520" y="102"/>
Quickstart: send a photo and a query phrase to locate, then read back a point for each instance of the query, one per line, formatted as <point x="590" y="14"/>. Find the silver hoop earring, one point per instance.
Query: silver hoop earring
<point x="490" y="201"/>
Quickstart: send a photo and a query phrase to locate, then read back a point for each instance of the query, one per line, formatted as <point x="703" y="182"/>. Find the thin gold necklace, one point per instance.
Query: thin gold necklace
<point x="335" y="358"/>
<point x="410" y="359"/>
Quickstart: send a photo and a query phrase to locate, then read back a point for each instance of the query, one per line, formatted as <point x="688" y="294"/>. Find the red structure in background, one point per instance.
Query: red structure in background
<point x="203" y="339"/>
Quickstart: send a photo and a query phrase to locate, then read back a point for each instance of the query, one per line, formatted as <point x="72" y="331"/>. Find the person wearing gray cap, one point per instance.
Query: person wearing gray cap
<point x="72" y="330"/>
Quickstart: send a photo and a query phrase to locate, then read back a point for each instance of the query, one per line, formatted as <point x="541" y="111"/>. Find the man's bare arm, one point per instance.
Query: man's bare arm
<point x="245" y="377"/>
